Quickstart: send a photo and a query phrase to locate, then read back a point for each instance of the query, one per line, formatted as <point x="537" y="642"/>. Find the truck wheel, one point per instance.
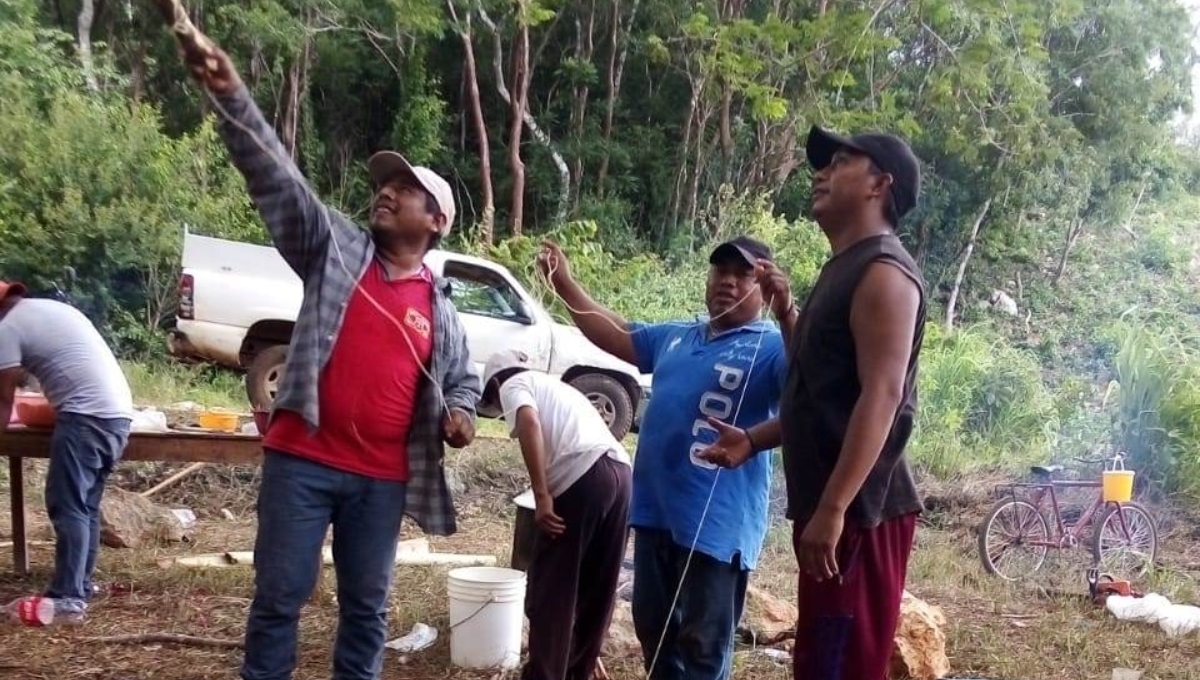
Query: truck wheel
<point x="610" y="399"/>
<point x="264" y="375"/>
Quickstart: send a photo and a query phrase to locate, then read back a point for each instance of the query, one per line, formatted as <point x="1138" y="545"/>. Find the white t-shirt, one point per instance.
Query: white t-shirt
<point x="575" y="435"/>
<point x="64" y="351"/>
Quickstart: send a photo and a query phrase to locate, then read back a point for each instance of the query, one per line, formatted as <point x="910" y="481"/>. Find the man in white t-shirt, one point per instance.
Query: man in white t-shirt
<point x="82" y="380"/>
<point x="581" y="479"/>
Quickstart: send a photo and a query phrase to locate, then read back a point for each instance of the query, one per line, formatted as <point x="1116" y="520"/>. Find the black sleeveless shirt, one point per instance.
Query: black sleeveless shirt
<point x="822" y="389"/>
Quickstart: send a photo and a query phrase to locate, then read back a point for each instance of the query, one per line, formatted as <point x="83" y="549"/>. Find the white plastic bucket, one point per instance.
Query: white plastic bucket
<point x="487" y="613"/>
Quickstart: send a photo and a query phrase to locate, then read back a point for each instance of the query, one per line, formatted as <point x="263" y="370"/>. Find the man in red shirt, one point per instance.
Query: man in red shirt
<point x="377" y="379"/>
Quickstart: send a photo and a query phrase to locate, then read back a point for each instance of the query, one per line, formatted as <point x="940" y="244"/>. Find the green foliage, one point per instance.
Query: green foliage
<point x="421" y="118"/>
<point x="983" y="404"/>
<point x="1058" y="112"/>
<point x="1159" y="407"/>
<point x="155" y="382"/>
<point x="91" y="184"/>
<point x="638" y="287"/>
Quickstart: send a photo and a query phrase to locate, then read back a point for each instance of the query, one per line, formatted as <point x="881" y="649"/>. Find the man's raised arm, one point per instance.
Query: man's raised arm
<point x="295" y="217"/>
<point x="603" y="327"/>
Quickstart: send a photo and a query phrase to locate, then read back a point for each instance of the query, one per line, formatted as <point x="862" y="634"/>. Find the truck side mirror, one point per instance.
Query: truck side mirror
<point x="523" y="313"/>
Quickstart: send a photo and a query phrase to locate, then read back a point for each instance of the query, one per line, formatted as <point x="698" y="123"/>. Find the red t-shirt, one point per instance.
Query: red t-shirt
<point x="368" y="388"/>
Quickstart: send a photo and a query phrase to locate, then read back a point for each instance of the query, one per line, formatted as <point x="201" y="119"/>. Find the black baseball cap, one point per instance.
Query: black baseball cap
<point x="741" y="247"/>
<point x="889" y="152"/>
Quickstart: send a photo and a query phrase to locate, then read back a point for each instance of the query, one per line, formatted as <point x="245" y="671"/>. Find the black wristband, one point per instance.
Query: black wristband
<point x="753" y="446"/>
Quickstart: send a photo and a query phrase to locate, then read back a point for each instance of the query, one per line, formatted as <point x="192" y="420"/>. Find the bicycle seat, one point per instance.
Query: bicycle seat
<point x="1046" y="470"/>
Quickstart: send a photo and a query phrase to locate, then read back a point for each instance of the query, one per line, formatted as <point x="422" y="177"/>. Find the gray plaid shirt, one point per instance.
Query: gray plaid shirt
<point x="330" y="254"/>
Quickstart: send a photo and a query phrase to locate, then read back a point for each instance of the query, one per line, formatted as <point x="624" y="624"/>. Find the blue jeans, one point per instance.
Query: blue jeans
<point x="83" y="451"/>
<point x="297" y="501"/>
<point x="698" y="644"/>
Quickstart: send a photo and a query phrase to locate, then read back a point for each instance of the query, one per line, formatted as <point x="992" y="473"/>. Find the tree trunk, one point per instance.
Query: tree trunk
<point x="86" y="13"/>
<point x="295" y="90"/>
<point x="137" y="72"/>
<point x="487" y="228"/>
<point x="1133" y="212"/>
<point x="699" y="165"/>
<point x="726" y="124"/>
<point x="517" y="107"/>
<point x="616" y="68"/>
<point x="962" y="266"/>
<point x="537" y="132"/>
<point x="685" y="152"/>
<point x="585" y="44"/>
<point x="1073" y="232"/>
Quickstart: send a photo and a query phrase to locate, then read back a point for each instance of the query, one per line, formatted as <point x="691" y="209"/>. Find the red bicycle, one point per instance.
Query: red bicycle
<point x="1016" y="535"/>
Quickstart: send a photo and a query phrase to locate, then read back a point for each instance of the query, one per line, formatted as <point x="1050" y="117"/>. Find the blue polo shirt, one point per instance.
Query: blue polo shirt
<point x="739" y="373"/>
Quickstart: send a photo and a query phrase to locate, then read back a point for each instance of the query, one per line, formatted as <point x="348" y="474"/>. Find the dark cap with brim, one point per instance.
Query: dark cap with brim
<point x="890" y="153"/>
<point x="741" y="248"/>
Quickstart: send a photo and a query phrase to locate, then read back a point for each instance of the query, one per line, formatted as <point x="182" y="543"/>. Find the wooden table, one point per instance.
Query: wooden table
<point x="175" y="446"/>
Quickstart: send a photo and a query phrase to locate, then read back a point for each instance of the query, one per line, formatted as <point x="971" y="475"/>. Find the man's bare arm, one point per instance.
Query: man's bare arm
<point x="294" y="216"/>
<point x="603" y="327"/>
<point x="529" y="434"/>
<point x="9" y="379"/>
<point x="765" y="435"/>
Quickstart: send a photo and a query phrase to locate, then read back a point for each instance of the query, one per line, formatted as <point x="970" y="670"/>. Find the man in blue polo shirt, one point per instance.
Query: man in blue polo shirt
<point x="728" y="366"/>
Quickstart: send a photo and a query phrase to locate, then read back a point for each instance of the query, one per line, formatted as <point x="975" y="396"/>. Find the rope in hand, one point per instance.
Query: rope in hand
<point x="186" y="31"/>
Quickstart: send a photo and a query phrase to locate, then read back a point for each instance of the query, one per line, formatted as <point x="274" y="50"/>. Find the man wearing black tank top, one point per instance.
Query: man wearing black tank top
<point x="848" y="408"/>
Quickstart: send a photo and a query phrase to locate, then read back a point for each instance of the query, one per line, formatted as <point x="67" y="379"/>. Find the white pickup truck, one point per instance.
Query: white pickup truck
<point x="238" y="303"/>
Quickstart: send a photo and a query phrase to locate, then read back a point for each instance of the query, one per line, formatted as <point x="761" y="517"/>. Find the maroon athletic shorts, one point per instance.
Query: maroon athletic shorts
<point x="846" y="629"/>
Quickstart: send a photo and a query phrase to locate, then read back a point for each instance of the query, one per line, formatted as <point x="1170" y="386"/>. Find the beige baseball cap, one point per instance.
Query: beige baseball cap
<point x="384" y="165"/>
<point x="504" y="360"/>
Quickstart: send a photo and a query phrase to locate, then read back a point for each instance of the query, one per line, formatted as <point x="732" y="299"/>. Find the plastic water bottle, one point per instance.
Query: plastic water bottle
<point x="45" y="611"/>
<point x="30" y="611"/>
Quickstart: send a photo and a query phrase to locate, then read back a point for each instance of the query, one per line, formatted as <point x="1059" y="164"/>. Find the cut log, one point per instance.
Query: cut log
<point x="173" y="479"/>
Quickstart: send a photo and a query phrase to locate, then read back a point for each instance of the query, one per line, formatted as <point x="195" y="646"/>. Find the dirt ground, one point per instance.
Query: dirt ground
<point x="1035" y="631"/>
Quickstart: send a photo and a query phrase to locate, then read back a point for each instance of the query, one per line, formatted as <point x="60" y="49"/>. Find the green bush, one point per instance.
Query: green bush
<point x="1159" y="407"/>
<point x="91" y="185"/>
<point x="983" y="404"/>
<point x="644" y="287"/>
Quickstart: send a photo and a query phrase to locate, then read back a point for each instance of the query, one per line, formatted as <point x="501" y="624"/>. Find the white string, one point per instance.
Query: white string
<point x="545" y="280"/>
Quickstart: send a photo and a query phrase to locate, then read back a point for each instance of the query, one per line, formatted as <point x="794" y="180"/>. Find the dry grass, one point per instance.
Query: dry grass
<point x="997" y="631"/>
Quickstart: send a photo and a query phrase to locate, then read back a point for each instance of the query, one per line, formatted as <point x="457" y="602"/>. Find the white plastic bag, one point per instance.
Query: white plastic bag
<point x="1179" y="619"/>
<point x="1144" y="609"/>
<point x="1176" y="620"/>
<point x="148" y="420"/>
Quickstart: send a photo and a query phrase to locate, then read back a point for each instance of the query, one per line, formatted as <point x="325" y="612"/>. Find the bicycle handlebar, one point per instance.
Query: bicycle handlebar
<point x="1097" y="461"/>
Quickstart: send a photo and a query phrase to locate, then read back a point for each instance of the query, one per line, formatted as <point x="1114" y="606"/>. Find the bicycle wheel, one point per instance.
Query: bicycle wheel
<point x="1004" y="538"/>
<point x="1125" y="556"/>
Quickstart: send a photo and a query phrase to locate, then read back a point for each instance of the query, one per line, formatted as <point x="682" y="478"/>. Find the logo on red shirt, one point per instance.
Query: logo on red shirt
<point x="417" y="321"/>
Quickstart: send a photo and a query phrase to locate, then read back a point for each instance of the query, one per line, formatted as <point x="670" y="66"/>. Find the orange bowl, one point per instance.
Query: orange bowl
<point x="36" y="412"/>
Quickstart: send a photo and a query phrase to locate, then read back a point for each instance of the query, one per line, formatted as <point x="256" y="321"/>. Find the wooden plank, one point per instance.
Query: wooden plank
<point x="181" y="447"/>
<point x="16" y="481"/>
